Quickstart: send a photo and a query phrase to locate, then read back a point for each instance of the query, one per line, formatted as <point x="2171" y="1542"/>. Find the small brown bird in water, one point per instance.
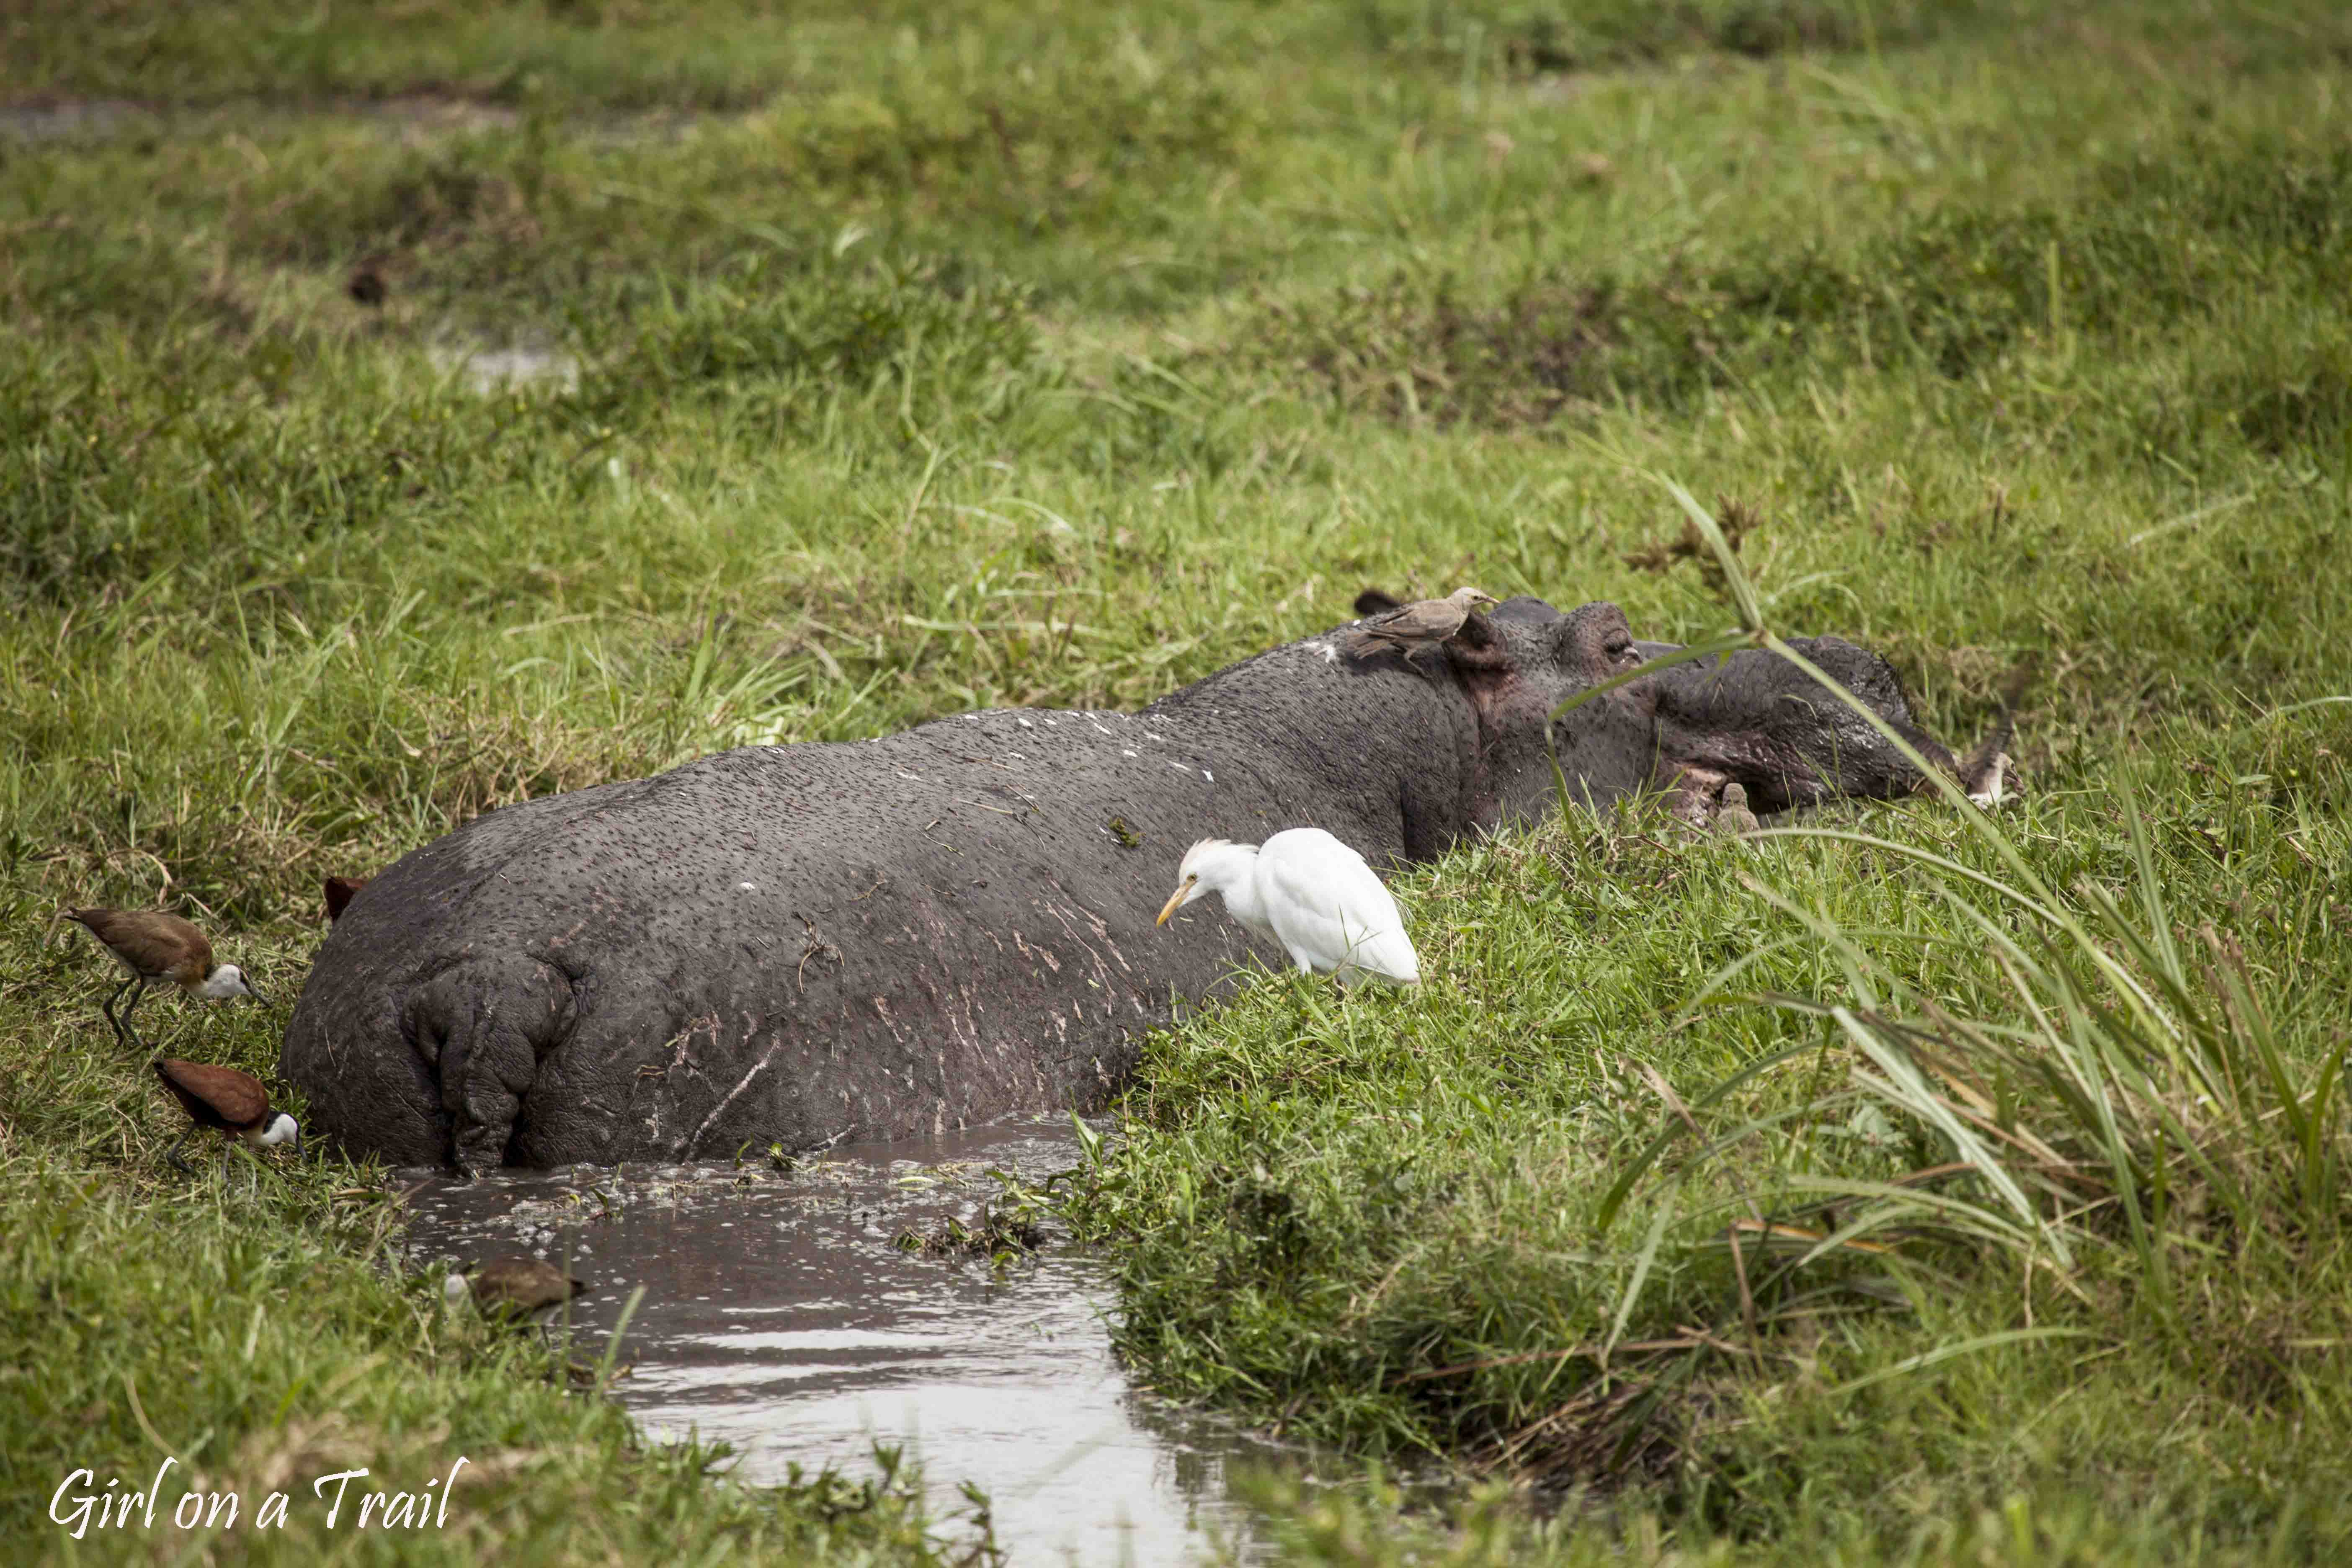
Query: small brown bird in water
<point x="341" y="892"/>
<point x="157" y="949"/>
<point x="1421" y="623"/>
<point x="228" y="1101"/>
<point x="1732" y="818"/>
<point x="515" y="1289"/>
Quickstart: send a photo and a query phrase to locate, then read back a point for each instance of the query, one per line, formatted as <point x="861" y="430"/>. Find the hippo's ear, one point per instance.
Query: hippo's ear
<point x="1475" y="633"/>
<point x="339" y="891"/>
<point x="1372" y="602"/>
<point x="1525" y="609"/>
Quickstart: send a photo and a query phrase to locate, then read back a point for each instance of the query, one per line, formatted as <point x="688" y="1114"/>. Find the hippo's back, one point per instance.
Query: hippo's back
<point x="783" y="942"/>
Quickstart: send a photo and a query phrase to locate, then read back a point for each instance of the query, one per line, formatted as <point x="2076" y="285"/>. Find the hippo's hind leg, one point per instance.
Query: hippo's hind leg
<point x="485" y="1024"/>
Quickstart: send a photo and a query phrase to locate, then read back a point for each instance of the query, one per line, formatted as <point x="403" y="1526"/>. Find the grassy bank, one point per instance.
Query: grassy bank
<point x="912" y="360"/>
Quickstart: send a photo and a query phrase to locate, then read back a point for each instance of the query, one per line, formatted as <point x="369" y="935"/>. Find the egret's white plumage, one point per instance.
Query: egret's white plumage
<point x="1311" y="893"/>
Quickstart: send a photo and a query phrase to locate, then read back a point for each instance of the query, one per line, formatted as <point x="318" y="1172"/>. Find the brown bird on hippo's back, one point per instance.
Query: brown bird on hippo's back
<point x="1405" y="628"/>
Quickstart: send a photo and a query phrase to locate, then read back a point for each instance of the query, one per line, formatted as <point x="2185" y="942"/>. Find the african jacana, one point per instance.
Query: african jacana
<point x="514" y="1289"/>
<point x="341" y="892"/>
<point x="228" y="1100"/>
<point x="157" y="949"/>
<point x="1733" y="819"/>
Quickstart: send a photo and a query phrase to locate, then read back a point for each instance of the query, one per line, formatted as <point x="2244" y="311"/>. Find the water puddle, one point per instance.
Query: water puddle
<point x="491" y="371"/>
<point x="417" y="119"/>
<point x="71" y="120"/>
<point x="779" y="1316"/>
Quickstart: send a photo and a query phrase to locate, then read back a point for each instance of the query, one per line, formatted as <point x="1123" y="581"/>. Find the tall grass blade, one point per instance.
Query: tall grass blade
<point x="1958" y="1348"/>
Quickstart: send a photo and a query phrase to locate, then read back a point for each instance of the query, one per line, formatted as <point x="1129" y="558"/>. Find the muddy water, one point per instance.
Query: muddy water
<point x="491" y="371"/>
<point x="779" y="1316"/>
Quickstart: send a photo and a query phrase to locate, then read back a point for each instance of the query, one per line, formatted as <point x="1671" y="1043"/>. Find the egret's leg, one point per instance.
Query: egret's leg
<point x="173" y="1153"/>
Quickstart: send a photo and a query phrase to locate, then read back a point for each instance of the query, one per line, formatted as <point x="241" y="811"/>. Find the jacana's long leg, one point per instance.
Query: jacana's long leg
<point x="136" y="997"/>
<point x="173" y="1153"/>
<point x="106" y="1006"/>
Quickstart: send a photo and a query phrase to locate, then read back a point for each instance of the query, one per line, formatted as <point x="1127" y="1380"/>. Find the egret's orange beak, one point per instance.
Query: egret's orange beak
<point x="1174" y="900"/>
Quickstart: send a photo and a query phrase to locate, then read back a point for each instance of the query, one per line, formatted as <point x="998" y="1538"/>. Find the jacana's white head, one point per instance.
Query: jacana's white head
<point x="456" y="1287"/>
<point x="1209" y="866"/>
<point x="281" y="1130"/>
<point x="227" y="980"/>
<point x="1992" y="786"/>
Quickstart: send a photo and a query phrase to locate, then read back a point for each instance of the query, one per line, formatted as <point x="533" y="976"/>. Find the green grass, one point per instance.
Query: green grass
<point x="263" y="1343"/>
<point x="932" y="358"/>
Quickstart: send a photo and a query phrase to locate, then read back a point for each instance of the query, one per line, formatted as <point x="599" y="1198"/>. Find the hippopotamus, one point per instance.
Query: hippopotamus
<point x="790" y="945"/>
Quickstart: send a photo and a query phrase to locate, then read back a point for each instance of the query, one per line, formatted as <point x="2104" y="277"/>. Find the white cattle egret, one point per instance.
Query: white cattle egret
<point x="1309" y="892"/>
